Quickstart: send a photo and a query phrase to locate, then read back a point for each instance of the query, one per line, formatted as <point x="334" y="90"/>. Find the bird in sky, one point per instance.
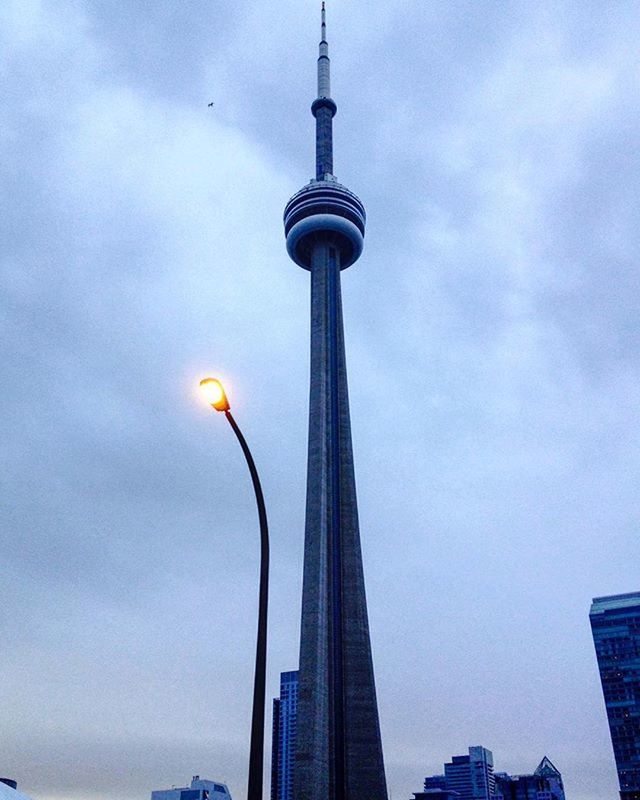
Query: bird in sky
<point x="210" y="105"/>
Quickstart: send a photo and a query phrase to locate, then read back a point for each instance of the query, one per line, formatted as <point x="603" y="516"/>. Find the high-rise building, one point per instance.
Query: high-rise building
<point x="199" y="790"/>
<point x="522" y="787"/>
<point x="471" y="775"/>
<point x="546" y="769"/>
<point x="544" y="784"/>
<point x="339" y="749"/>
<point x="283" y="745"/>
<point x="615" y="624"/>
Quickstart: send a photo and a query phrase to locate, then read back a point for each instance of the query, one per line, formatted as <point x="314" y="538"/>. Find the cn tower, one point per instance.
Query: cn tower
<point x="339" y="750"/>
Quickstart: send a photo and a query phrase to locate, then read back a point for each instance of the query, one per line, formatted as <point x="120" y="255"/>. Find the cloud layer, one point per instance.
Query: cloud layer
<point x="493" y="352"/>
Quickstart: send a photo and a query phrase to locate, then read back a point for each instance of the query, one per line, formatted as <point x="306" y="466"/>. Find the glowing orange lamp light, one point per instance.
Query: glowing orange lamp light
<point x="214" y="394"/>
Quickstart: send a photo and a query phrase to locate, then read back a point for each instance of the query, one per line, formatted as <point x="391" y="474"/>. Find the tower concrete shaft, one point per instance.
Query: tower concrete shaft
<point x="339" y="750"/>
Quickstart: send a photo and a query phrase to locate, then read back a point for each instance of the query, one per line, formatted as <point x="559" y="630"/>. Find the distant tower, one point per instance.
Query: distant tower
<point x="283" y="744"/>
<point x="615" y="623"/>
<point x="339" y="752"/>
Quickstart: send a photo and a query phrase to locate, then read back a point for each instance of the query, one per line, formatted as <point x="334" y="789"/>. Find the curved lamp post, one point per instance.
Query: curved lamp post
<point x="216" y="397"/>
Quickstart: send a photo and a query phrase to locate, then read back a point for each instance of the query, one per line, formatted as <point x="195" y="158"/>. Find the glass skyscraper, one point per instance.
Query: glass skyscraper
<point x="615" y="624"/>
<point x="546" y="769"/>
<point x="544" y="784"/>
<point x="471" y="776"/>
<point x="283" y="748"/>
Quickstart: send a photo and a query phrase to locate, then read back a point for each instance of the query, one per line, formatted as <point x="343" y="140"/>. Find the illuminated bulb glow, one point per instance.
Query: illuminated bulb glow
<point x="214" y="394"/>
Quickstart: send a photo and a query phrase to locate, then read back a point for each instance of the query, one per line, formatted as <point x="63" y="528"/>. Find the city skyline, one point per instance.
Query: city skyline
<point x="492" y="341"/>
<point x="473" y="776"/>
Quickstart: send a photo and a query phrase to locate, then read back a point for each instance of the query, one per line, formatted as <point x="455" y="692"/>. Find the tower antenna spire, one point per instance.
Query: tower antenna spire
<point x="323" y="108"/>
<point x="324" y="65"/>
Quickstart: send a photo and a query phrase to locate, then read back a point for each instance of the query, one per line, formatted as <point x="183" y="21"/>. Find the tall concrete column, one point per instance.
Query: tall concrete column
<point x="339" y="751"/>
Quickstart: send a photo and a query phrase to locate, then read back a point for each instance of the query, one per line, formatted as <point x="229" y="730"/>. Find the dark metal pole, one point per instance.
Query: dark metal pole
<point x="256" y="753"/>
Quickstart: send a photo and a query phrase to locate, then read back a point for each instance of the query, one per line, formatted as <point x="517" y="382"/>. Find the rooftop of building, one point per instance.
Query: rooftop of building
<point x="615" y="601"/>
<point x="7" y="793"/>
<point x="476" y="753"/>
<point x="214" y="788"/>
<point x="546" y="767"/>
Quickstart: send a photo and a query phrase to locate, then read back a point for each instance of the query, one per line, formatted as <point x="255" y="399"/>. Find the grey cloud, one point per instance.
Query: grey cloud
<point x="492" y="359"/>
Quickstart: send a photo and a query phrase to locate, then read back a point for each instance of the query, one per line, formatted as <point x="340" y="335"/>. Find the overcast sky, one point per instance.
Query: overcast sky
<point x="492" y="341"/>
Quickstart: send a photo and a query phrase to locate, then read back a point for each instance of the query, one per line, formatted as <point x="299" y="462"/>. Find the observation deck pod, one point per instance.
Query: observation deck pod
<point x="324" y="211"/>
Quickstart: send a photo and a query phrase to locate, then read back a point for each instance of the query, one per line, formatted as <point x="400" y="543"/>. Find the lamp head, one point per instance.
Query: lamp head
<point x="214" y="394"/>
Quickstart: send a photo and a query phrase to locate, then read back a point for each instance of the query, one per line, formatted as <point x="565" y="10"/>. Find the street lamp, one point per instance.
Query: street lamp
<point x="215" y="395"/>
